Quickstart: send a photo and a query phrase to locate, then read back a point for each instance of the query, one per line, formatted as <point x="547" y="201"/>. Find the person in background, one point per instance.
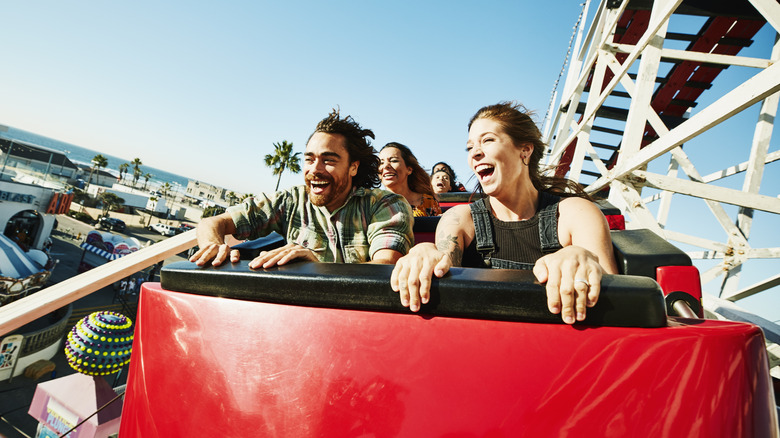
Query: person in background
<point x="455" y="186"/>
<point x="528" y="221"/>
<point x="402" y="174"/>
<point x="441" y="182"/>
<point x="336" y="216"/>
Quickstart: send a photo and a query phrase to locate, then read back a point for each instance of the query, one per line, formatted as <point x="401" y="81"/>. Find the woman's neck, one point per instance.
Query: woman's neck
<point x="522" y="206"/>
<point x="412" y="198"/>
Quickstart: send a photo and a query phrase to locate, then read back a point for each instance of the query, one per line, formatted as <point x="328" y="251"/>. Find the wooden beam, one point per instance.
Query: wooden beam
<point x="757" y="88"/>
<point x="30" y="308"/>
<point x="710" y="58"/>
<point x="714" y="193"/>
<point x="770" y="9"/>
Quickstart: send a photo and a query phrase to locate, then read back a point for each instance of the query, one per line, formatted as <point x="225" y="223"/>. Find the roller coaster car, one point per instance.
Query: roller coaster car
<point x="319" y="349"/>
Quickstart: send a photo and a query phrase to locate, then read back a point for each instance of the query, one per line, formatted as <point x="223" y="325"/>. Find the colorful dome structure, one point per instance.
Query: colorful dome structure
<point x="100" y="344"/>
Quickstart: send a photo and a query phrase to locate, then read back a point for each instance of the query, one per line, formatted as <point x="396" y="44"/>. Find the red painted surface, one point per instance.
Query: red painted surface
<point x="679" y="278"/>
<point x="616" y="221"/>
<point x="206" y="366"/>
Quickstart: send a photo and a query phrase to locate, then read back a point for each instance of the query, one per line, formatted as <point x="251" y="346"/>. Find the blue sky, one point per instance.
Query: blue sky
<point x="204" y="89"/>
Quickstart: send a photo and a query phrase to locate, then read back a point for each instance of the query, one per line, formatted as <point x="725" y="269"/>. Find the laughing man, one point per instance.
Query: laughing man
<point x="336" y="216"/>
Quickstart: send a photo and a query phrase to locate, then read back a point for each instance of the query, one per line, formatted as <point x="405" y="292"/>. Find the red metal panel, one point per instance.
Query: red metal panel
<point x="206" y="366"/>
<point x="679" y="278"/>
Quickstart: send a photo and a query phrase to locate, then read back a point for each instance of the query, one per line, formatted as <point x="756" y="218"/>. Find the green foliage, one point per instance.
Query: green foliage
<point x="122" y="170"/>
<point x="283" y="158"/>
<point x="213" y="211"/>
<point x="110" y="202"/>
<point x="98" y="161"/>
<point x="136" y="163"/>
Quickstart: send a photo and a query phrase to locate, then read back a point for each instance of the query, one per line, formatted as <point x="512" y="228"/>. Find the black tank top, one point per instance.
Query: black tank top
<point x="512" y="245"/>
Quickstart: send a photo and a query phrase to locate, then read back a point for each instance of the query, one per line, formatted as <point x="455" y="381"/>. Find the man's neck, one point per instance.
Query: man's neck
<point x="335" y="205"/>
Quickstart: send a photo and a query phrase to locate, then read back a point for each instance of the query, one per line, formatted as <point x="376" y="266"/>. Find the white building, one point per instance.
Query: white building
<point x="28" y="212"/>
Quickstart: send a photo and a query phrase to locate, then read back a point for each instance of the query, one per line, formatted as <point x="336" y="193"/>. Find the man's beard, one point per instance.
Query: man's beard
<point x="334" y="190"/>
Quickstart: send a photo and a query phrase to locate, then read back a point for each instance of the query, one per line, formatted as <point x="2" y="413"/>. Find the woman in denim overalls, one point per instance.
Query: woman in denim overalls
<point x="527" y="221"/>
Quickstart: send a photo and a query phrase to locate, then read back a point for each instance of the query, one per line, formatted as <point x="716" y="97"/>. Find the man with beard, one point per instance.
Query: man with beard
<point x="336" y="216"/>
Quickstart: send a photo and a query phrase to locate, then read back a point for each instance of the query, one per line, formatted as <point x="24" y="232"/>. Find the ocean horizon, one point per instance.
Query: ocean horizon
<point x="82" y="155"/>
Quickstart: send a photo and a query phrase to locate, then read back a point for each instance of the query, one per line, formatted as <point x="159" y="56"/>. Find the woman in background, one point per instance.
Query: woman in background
<point x="441" y="182"/>
<point x="402" y="174"/>
<point x="455" y="186"/>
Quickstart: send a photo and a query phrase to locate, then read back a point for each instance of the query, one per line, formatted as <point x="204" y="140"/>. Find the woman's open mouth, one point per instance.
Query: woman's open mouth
<point x="484" y="171"/>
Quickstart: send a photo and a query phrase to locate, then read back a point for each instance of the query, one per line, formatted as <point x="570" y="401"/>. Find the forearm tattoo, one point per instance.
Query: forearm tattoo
<point x="449" y="245"/>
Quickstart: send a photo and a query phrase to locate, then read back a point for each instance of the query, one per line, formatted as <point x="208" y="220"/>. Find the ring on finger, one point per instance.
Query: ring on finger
<point x="582" y="280"/>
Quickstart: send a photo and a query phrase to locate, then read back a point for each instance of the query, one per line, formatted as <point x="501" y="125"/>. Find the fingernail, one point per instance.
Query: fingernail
<point x="580" y="316"/>
<point x="405" y="302"/>
<point x="568" y="319"/>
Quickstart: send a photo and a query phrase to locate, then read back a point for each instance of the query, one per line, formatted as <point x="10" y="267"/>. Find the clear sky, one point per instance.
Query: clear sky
<point x="203" y="89"/>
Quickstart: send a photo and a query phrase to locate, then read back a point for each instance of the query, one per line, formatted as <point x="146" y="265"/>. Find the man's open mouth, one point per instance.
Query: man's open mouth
<point x="318" y="186"/>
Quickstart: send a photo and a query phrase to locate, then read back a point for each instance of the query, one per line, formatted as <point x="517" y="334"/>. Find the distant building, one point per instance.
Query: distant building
<point x="27" y="212"/>
<point x="26" y="156"/>
<point x="207" y="193"/>
<point x="99" y="177"/>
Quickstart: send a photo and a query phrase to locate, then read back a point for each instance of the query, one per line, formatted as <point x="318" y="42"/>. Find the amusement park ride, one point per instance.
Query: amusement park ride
<point x="311" y="349"/>
<point x="630" y="104"/>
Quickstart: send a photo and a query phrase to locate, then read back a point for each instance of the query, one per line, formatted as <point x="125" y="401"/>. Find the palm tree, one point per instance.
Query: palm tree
<point x="231" y="197"/>
<point x="282" y="159"/>
<point x="110" y="201"/>
<point x="97" y="161"/>
<point x="165" y="189"/>
<point x="122" y="170"/>
<point x="147" y="177"/>
<point x="136" y="163"/>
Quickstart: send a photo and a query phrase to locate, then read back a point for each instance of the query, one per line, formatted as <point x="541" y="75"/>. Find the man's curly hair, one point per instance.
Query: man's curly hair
<point x="358" y="146"/>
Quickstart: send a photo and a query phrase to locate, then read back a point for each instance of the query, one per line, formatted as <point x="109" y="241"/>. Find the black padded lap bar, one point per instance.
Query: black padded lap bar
<point x="640" y="252"/>
<point x="498" y="294"/>
<point x="425" y="224"/>
<point x="252" y="248"/>
<point x="606" y="208"/>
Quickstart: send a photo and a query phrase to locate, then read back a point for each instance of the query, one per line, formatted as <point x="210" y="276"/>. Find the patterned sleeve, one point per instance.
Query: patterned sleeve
<point x="390" y="226"/>
<point x="258" y="216"/>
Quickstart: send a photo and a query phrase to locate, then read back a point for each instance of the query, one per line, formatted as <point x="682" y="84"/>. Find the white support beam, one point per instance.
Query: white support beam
<point x="741" y="167"/>
<point x="770" y="9"/>
<point x="717" y="210"/>
<point x="714" y="193"/>
<point x="705" y="255"/>
<point x="666" y="196"/>
<point x="635" y="208"/>
<point x="751" y="91"/>
<point x="664" y="13"/>
<point x="755" y="172"/>
<point x="696" y="241"/>
<point x="645" y="85"/>
<point x="764" y="253"/>
<point x="709" y="58"/>
<point x="761" y="286"/>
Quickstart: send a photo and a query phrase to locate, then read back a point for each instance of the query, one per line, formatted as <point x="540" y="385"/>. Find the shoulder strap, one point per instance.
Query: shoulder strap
<point x="548" y="222"/>
<point x="483" y="230"/>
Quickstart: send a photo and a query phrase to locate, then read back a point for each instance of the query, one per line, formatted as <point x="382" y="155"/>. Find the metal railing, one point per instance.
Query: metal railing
<point x="40" y="339"/>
